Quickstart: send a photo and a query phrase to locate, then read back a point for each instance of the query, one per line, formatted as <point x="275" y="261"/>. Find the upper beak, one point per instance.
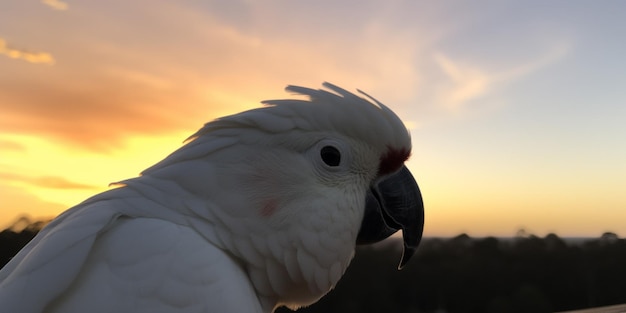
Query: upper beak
<point x="393" y="204"/>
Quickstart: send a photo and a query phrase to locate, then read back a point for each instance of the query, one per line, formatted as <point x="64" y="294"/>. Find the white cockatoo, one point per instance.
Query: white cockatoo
<point x="257" y="210"/>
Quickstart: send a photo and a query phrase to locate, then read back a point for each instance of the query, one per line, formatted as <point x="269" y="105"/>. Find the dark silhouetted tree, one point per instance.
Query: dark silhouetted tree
<point x="461" y="274"/>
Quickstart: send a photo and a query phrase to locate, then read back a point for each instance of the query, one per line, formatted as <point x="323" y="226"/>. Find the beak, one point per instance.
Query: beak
<point x="393" y="204"/>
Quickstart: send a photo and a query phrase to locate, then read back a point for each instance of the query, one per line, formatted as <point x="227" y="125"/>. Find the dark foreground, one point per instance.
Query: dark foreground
<point x="462" y="274"/>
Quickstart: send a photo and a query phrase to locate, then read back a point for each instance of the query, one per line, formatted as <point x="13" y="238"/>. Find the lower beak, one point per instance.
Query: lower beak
<point x="394" y="204"/>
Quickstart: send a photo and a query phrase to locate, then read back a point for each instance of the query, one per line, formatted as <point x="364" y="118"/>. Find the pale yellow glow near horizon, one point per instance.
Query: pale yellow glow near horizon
<point x="456" y="198"/>
<point x="43" y="158"/>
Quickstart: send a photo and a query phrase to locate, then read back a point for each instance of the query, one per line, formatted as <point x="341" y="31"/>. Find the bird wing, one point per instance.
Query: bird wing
<point x="95" y="259"/>
<point x="152" y="265"/>
<point x="54" y="258"/>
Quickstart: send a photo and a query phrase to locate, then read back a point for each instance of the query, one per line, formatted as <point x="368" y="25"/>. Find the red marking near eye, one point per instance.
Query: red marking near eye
<point x="269" y="208"/>
<point x="392" y="160"/>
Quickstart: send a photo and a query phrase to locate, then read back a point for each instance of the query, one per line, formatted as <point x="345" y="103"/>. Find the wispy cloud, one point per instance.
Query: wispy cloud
<point x="32" y="57"/>
<point x="58" y="183"/>
<point x="466" y="82"/>
<point x="53" y="182"/>
<point x="552" y="55"/>
<point x="9" y="145"/>
<point x="56" y="4"/>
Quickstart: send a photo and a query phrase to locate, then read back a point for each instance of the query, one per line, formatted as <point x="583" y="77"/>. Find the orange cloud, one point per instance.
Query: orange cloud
<point x="32" y="57"/>
<point x="56" y="4"/>
<point x="108" y="90"/>
<point x="98" y="114"/>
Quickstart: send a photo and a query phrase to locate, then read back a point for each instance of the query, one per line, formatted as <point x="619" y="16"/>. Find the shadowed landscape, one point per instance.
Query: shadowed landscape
<point x="525" y="273"/>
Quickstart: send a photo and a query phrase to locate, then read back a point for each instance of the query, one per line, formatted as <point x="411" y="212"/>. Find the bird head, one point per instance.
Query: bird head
<point x="370" y="142"/>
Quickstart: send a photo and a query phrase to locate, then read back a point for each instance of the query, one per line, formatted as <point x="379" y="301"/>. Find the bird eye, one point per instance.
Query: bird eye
<point x="330" y="155"/>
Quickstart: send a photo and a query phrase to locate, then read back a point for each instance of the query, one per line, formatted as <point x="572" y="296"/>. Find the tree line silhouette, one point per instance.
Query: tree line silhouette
<point x="462" y="274"/>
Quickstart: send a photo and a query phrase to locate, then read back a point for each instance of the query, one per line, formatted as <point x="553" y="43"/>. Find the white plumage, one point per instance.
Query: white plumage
<point x="258" y="209"/>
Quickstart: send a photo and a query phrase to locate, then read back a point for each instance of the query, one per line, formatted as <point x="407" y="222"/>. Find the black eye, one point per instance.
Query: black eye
<point x="330" y="156"/>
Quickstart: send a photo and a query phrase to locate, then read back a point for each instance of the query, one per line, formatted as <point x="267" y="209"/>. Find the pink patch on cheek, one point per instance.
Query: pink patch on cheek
<point x="269" y="208"/>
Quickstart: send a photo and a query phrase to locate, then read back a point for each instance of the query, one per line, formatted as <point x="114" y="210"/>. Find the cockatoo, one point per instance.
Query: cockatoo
<point x="257" y="210"/>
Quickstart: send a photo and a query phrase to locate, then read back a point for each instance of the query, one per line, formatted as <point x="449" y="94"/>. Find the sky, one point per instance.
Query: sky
<point x="517" y="109"/>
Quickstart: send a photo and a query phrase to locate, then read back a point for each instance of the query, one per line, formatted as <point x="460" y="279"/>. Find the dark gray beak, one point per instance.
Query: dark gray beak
<point x="393" y="204"/>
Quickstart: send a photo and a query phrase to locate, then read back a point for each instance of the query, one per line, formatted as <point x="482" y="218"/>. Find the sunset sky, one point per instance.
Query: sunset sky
<point x="517" y="109"/>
